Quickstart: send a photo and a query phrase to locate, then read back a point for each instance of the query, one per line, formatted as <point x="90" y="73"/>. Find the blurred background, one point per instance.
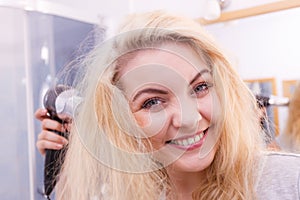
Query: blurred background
<point x="39" y="37"/>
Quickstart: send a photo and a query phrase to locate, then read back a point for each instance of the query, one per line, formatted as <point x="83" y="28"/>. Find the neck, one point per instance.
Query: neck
<point x="184" y="183"/>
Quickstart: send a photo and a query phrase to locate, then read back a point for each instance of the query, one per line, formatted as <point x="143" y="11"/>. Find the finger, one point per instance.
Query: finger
<point x="67" y="127"/>
<point x="42" y="145"/>
<point x="52" y="137"/>
<point x="50" y="140"/>
<point x="49" y="124"/>
<point x="40" y="114"/>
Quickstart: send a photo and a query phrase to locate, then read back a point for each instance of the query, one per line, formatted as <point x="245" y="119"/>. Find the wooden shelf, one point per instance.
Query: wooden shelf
<point x="253" y="11"/>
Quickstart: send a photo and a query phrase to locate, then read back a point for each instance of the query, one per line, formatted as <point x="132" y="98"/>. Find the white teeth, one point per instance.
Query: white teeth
<point x="185" y="142"/>
<point x="191" y="140"/>
<point x="201" y="136"/>
<point x="197" y="138"/>
<point x="188" y="141"/>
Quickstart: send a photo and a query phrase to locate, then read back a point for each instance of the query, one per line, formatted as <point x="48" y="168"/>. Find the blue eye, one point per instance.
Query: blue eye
<point x="151" y="103"/>
<point x="201" y="89"/>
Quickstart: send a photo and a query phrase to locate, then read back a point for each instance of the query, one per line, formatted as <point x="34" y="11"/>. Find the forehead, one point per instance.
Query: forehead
<point x="176" y="57"/>
<point x="171" y="65"/>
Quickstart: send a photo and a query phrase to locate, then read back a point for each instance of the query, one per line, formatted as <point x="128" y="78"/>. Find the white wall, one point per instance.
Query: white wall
<point x="265" y="46"/>
<point x="93" y="11"/>
<point x="241" y="4"/>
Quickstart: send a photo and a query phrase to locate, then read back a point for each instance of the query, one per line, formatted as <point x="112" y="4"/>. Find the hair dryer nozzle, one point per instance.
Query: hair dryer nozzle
<point x="50" y="99"/>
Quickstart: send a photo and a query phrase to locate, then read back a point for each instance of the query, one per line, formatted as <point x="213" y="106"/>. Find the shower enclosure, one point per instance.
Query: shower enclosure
<point x="34" y="48"/>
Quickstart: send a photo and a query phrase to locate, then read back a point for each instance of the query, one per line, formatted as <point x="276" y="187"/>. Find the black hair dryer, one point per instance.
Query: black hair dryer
<point x="53" y="158"/>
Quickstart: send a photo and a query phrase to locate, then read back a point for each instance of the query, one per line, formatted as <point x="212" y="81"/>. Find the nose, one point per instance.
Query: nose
<point x="186" y="114"/>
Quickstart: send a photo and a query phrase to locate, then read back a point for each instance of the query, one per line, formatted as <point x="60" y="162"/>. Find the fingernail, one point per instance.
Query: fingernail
<point x="59" y="146"/>
<point x="65" y="142"/>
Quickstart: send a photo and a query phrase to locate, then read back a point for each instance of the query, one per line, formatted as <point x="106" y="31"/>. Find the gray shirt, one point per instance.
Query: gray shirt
<point x="279" y="177"/>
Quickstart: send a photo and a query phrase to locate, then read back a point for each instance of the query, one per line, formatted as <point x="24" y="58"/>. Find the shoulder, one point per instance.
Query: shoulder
<point x="279" y="176"/>
<point x="282" y="164"/>
<point x="281" y="159"/>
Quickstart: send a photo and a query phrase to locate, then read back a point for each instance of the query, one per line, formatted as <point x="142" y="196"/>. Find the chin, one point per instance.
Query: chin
<point x="190" y="162"/>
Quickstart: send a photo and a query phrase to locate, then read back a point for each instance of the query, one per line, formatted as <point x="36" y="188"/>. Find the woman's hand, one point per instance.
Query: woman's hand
<point x="47" y="138"/>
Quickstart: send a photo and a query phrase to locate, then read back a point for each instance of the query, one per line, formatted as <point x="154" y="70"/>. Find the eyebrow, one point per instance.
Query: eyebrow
<point x="199" y="74"/>
<point x="149" y="90"/>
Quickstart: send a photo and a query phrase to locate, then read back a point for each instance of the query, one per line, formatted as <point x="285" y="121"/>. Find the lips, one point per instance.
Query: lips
<point x="188" y="141"/>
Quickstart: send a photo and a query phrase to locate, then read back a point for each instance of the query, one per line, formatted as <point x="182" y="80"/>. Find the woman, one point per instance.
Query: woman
<point x="165" y="116"/>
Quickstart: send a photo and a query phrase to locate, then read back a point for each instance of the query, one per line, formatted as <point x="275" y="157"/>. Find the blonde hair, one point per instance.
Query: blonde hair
<point x="93" y="167"/>
<point x="292" y="129"/>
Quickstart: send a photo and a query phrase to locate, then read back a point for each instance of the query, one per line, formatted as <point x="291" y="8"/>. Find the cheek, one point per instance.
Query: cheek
<point x="153" y="124"/>
<point x="205" y="107"/>
<point x="157" y="142"/>
<point x="142" y="119"/>
<point x="209" y="107"/>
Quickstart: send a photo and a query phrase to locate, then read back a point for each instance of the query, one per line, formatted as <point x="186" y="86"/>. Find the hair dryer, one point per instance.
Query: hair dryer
<point x="265" y="101"/>
<point x="60" y="103"/>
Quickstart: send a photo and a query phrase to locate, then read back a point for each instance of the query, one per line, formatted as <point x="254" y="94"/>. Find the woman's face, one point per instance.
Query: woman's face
<point x="171" y="95"/>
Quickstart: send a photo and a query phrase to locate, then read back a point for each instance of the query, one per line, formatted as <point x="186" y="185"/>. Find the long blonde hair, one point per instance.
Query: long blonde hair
<point x="94" y="168"/>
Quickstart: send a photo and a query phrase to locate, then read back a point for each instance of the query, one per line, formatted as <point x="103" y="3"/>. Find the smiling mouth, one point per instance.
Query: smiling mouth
<point x="186" y="142"/>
